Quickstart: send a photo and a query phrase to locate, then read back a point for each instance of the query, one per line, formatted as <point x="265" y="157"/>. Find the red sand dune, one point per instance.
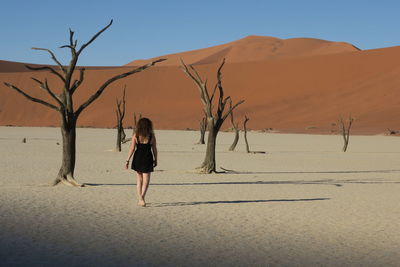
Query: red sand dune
<point x="255" y="48"/>
<point x="303" y="89"/>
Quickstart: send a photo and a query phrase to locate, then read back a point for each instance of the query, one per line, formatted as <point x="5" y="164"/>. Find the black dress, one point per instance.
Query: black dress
<point x="143" y="157"/>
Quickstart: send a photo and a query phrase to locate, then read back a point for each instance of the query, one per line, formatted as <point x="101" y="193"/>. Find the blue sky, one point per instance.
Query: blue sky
<point x="149" y="28"/>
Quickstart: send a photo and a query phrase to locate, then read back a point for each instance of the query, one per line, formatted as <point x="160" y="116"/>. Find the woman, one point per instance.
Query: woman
<point x="144" y="150"/>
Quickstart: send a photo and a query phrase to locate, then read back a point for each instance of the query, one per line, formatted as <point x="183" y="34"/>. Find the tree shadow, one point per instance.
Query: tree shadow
<point x="95" y="184"/>
<point x="193" y="203"/>
<point x="324" y="182"/>
<point x="227" y="171"/>
<point x="332" y="182"/>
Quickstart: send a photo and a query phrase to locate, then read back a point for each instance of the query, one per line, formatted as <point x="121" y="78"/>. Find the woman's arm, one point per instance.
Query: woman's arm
<point x="131" y="150"/>
<point x="154" y="148"/>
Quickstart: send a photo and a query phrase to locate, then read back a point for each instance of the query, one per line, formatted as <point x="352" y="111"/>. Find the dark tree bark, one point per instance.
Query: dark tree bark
<point x="236" y="129"/>
<point x="246" y="119"/>
<point x="120" y="111"/>
<point x="214" y="120"/>
<point x="392" y="132"/>
<point x="135" y="121"/>
<point x="133" y="127"/>
<point x="64" y="100"/>
<point x="209" y="163"/>
<point x="66" y="172"/>
<point x="123" y="135"/>
<point x="346" y="132"/>
<point x="203" y="128"/>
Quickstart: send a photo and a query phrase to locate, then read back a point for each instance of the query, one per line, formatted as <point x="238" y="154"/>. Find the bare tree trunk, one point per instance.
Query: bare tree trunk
<point x="203" y="128"/>
<point x="235" y="141"/>
<point x="66" y="172"/>
<point x="209" y="163"/>
<point x="246" y="119"/>
<point x="119" y="136"/>
<point x="134" y="123"/>
<point x="236" y="128"/>
<point x="135" y="120"/>
<point x="124" y="139"/>
<point x="346" y="132"/>
<point x="120" y="117"/>
<point x="123" y="135"/>
<point x="214" y="120"/>
<point x="392" y="132"/>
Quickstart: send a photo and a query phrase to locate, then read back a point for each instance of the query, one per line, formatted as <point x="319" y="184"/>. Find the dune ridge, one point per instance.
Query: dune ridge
<point x="255" y="48"/>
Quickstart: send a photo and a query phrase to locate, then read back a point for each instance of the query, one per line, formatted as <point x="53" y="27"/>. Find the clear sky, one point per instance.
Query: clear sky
<point x="150" y="28"/>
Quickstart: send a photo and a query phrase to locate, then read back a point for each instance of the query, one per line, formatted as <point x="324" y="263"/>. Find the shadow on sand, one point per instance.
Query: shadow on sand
<point x="332" y="182"/>
<point x="321" y="182"/>
<point x="227" y="171"/>
<point x="178" y="204"/>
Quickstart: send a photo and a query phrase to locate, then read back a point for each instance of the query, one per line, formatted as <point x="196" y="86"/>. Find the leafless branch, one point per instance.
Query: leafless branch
<point x="52" y="56"/>
<point x="231" y="109"/>
<point x="71" y="39"/>
<point x="67" y="46"/>
<point x="205" y="99"/>
<point x="53" y="71"/>
<point x="246" y="119"/>
<point x="94" y="38"/>
<point x="346" y="132"/>
<point x="77" y="83"/>
<point x="215" y="89"/>
<point x="45" y="86"/>
<point x="123" y="104"/>
<point x="113" y="79"/>
<point x="221" y="105"/>
<point x="40" y="101"/>
<point x="196" y="73"/>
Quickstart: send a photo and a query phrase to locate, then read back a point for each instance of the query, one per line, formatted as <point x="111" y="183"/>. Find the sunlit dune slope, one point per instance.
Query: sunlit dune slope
<point x="255" y="48"/>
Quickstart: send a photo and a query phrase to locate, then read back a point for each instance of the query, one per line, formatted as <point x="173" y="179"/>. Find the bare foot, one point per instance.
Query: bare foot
<point x="142" y="203"/>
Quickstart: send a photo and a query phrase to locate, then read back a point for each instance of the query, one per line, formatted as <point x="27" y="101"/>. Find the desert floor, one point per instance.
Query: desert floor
<point x="303" y="203"/>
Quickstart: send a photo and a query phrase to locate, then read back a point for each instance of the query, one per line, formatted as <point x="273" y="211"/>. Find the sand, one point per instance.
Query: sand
<point x="254" y="48"/>
<point x="304" y="203"/>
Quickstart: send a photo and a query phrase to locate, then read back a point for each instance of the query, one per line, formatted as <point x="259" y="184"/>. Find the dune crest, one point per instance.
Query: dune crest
<point x="255" y="48"/>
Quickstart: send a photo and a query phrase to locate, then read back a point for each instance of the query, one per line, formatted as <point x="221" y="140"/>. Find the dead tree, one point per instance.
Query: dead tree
<point x="203" y="128"/>
<point x="62" y="101"/>
<point x="236" y="129"/>
<point x="120" y="112"/>
<point x="346" y="131"/>
<point x="135" y="120"/>
<point x="123" y="135"/>
<point x="125" y="140"/>
<point x="246" y="119"/>
<point x="392" y="132"/>
<point x="214" y="121"/>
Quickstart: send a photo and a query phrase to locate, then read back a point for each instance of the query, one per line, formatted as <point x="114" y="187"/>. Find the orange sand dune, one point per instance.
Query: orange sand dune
<point x="9" y="66"/>
<point x="289" y="94"/>
<point x="255" y="48"/>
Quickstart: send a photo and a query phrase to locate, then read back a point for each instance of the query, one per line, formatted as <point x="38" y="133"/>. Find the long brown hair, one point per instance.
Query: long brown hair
<point x="144" y="128"/>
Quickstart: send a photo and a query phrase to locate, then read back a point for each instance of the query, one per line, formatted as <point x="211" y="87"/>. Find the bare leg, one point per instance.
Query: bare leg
<point x="139" y="185"/>
<point x="145" y="184"/>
